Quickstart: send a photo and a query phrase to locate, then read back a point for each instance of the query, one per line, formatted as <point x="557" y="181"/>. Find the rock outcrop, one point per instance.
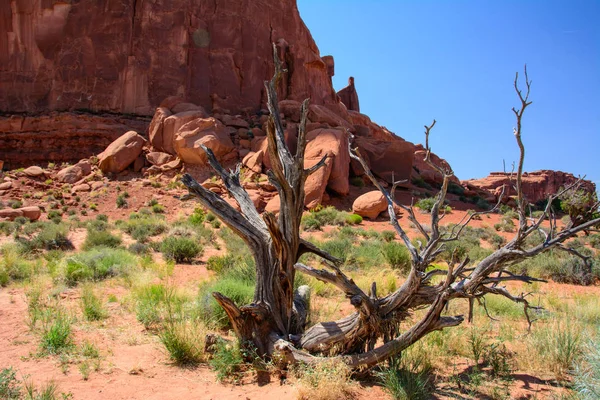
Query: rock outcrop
<point x="127" y="56"/>
<point x="349" y="97"/>
<point x="199" y="132"/>
<point x="59" y="136"/>
<point x="536" y="185"/>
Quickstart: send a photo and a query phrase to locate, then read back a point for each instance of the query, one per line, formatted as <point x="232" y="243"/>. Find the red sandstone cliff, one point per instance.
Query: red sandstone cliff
<point x="536" y="185"/>
<point x="126" y="56"/>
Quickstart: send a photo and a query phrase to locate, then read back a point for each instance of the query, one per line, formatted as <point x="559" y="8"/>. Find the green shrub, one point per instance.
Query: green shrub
<point x="158" y="209"/>
<point x="219" y="264"/>
<point x="240" y="291"/>
<point x="507" y="225"/>
<point x="180" y="249"/>
<point x="13" y="266"/>
<point x="10" y="386"/>
<point x="197" y="217"/>
<point x="56" y="337"/>
<point x="141" y="228"/>
<point x="121" y="201"/>
<point x="100" y="239"/>
<point x="148" y="299"/>
<point x="353" y="219"/>
<point x="357" y="181"/>
<point x="587" y="373"/>
<point x="559" y="346"/>
<point x="91" y="305"/>
<point x="419" y="182"/>
<point x="407" y="377"/>
<point x="139" y="248"/>
<point x="397" y="256"/>
<point x="184" y="342"/>
<point x="51" y="237"/>
<point x="388" y="236"/>
<point x="227" y="360"/>
<point x="426" y="205"/>
<point x="456" y="189"/>
<point x="97" y="264"/>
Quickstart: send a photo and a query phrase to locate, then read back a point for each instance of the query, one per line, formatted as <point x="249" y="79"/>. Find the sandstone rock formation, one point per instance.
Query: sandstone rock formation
<point x="536" y="185"/>
<point x="74" y="173"/>
<point x="349" y="97"/>
<point x="201" y="131"/>
<point x="425" y="171"/>
<point x="59" y="137"/>
<point x="32" y="213"/>
<point x="121" y="153"/>
<point x="127" y="56"/>
<point x="370" y="204"/>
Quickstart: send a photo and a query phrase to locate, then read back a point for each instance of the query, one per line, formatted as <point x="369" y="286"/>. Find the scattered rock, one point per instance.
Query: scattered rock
<point x="34" y="172"/>
<point x="202" y="131"/>
<point x="370" y="204"/>
<point x="5" y="185"/>
<point x="333" y="142"/>
<point x="74" y="173"/>
<point x="235" y="121"/>
<point x="84" y="187"/>
<point x="33" y="213"/>
<point x="159" y="158"/>
<point x="253" y="161"/>
<point x="121" y="153"/>
<point x="155" y="132"/>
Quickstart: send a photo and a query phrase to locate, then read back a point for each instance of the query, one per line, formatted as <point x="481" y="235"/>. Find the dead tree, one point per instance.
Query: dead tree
<point x="274" y="322"/>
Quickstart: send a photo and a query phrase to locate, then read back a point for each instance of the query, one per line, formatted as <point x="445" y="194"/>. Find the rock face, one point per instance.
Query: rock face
<point x="425" y="171"/>
<point x="59" y="137"/>
<point x="127" y="56"/>
<point x="349" y="97"/>
<point x="33" y="213"/>
<point x="370" y="204"/>
<point x="536" y="185"/>
<point x="121" y="153"/>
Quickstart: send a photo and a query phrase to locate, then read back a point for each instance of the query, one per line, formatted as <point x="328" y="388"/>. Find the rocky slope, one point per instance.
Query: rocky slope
<point x="536" y="185"/>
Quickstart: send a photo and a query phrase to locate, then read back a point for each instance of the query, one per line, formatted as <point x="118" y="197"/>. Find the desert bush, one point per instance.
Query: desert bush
<point x="197" y="217"/>
<point x="407" y="377"/>
<point x="180" y="249"/>
<point x="10" y="386"/>
<point x="219" y="264"/>
<point x="158" y="209"/>
<point x="184" y="341"/>
<point x="317" y="218"/>
<point x="139" y="248"/>
<point x="97" y="264"/>
<point x="100" y="238"/>
<point x="91" y="305"/>
<point x="121" y="201"/>
<point x="587" y="373"/>
<point x="388" y="236"/>
<point x="558" y="346"/>
<point x="227" y="360"/>
<point x="507" y="225"/>
<point x="329" y="380"/>
<point x="141" y="227"/>
<point x="357" y="181"/>
<point x="456" y="189"/>
<point x="13" y="266"/>
<point x="499" y="359"/>
<point x="425" y="205"/>
<point x="51" y="237"/>
<point x="56" y="335"/>
<point x="238" y="288"/>
<point x="397" y="256"/>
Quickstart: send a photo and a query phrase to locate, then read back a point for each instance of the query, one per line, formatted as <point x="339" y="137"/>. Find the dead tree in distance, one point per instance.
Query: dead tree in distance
<point x="274" y="323"/>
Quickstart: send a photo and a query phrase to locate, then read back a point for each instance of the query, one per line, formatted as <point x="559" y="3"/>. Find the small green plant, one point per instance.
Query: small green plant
<point x="158" y="209"/>
<point x="587" y="373"/>
<point x="426" y="205"/>
<point x="91" y="305"/>
<point x="227" y="360"/>
<point x="15" y="204"/>
<point x="84" y="370"/>
<point x="197" y="217"/>
<point x="397" y="256"/>
<point x="56" y="336"/>
<point x="100" y="238"/>
<point x="353" y="219"/>
<point x="180" y="249"/>
<point x="89" y="350"/>
<point x="10" y="386"/>
<point x="407" y="377"/>
<point x="121" y="201"/>
<point x="184" y="342"/>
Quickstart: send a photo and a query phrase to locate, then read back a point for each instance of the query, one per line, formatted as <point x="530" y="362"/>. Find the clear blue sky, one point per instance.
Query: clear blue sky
<point x="455" y="61"/>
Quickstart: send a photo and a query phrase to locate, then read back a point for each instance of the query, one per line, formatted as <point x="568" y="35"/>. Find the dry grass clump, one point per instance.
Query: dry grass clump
<point x="329" y="380"/>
